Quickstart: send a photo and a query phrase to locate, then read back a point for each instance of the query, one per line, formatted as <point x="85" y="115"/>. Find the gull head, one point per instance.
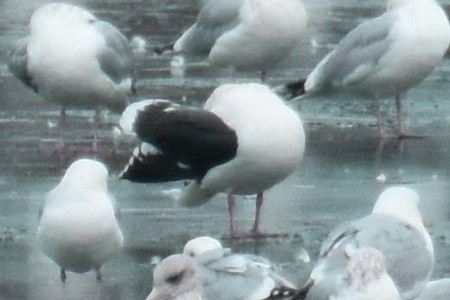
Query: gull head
<point x="204" y="249"/>
<point x="59" y="14"/>
<point x="399" y="202"/>
<point x="403" y="204"/>
<point x="132" y="111"/>
<point x="87" y="174"/>
<point x="176" y="277"/>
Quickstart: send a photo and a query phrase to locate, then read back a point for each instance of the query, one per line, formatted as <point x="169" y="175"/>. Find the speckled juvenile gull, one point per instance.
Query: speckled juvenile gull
<point x="383" y="57"/>
<point x="73" y="59"/>
<point x="228" y="276"/>
<point x="395" y="229"/>
<point x="243" y="141"/>
<point x="365" y="278"/>
<point x="78" y="229"/>
<point x="177" y="277"/>
<point x="436" y="290"/>
<point x="245" y="34"/>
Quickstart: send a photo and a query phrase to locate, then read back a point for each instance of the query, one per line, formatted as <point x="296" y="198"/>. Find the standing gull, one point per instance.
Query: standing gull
<point x="383" y="57"/>
<point x="228" y="276"/>
<point x="73" y="59"/>
<point x="243" y="141"/>
<point x="78" y="229"/>
<point x="245" y="34"/>
<point x="395" y="229"/>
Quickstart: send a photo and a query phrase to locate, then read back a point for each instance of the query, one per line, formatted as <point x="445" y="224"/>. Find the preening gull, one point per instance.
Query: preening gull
<point x="176" y="277"/>
<point x="436" y="290"/>
<point x="228" y="276"/>
<point x="383" y="57"/>
<point x="365" y="278"/>
<point x="73" y="59"/>
<point x="243" y="141"/>
<point x="78" y="229"/>
<point x="245" y="34"/>
<point x="395" y="229"/>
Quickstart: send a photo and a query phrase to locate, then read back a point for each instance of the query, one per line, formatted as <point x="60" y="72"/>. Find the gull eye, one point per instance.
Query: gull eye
<point x="176" y="278"/>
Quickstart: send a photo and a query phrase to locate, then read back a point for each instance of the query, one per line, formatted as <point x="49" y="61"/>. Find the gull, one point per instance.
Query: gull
<point x="436" y="290"/>
<point x="395" y="229"/>
<point x="229" y="276"/>
<point x="244" y="141"/>
<point x="78" y="229"/>
<point x="245" y="34"/>
<point x="365" y="278"/>
<point x="383" y="57"/>
<point x="75" y="60"/>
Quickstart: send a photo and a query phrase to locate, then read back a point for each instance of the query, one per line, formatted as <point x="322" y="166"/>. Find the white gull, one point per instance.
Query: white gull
<point x="234" y="276"/>
<point x="78" y="229"/>
<point x="73" y="59"/>
<point x="383" y="57"/>
<point x="245" y="34"/>
<point x="395" y="229"/>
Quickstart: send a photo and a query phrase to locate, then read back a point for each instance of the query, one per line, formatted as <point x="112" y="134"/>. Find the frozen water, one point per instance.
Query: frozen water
<point x="335" y="182"/>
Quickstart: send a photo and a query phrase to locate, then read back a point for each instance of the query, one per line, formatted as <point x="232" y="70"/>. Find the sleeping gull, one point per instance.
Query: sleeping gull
<point x="383" y="57"/>
<point x="78" y="229"/>
<point x="243" y="141"/>
<point x="436" y="290"/>
<point x="228" y="276"/>
<point x="365" y="278"/>
<point x="73" y="59"/>
<point x="245" y="34"/>
<point x="395" y="229"/>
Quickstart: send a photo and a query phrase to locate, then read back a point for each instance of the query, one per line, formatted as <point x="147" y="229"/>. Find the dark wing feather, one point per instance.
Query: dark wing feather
<point x="189" y="141"/>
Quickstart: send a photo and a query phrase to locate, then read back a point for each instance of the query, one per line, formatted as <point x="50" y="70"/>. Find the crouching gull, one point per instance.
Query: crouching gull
<point x="243" y="141"/>
<point x="234" y="276"/>
<point x="395" y="229"/>
<point x="78" y="229"/>
<point x="245" y="34"/>
<point x="383" y="57"/>
<point x="205" y="270"/>
<point x="75" y="60"/>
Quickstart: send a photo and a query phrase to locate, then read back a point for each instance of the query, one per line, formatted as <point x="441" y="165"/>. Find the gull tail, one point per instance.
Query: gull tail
<point x="291" y="90"/>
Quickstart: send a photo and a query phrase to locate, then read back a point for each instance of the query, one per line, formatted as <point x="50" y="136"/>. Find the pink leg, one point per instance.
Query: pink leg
<point x="231" y="205"/>
<point x="259" y="202"/>
<point x="402" y="134"/>
<point x="256" y="231"/>
<point x="62" y="118"/>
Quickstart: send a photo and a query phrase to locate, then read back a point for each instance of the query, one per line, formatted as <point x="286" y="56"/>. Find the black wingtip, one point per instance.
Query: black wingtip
<point x="303" y="292"/>
<point x="152" y="166"/>
<point x="292" y="89"/>
<point x="163" y="49"/>
<point x="282" y="292"/>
